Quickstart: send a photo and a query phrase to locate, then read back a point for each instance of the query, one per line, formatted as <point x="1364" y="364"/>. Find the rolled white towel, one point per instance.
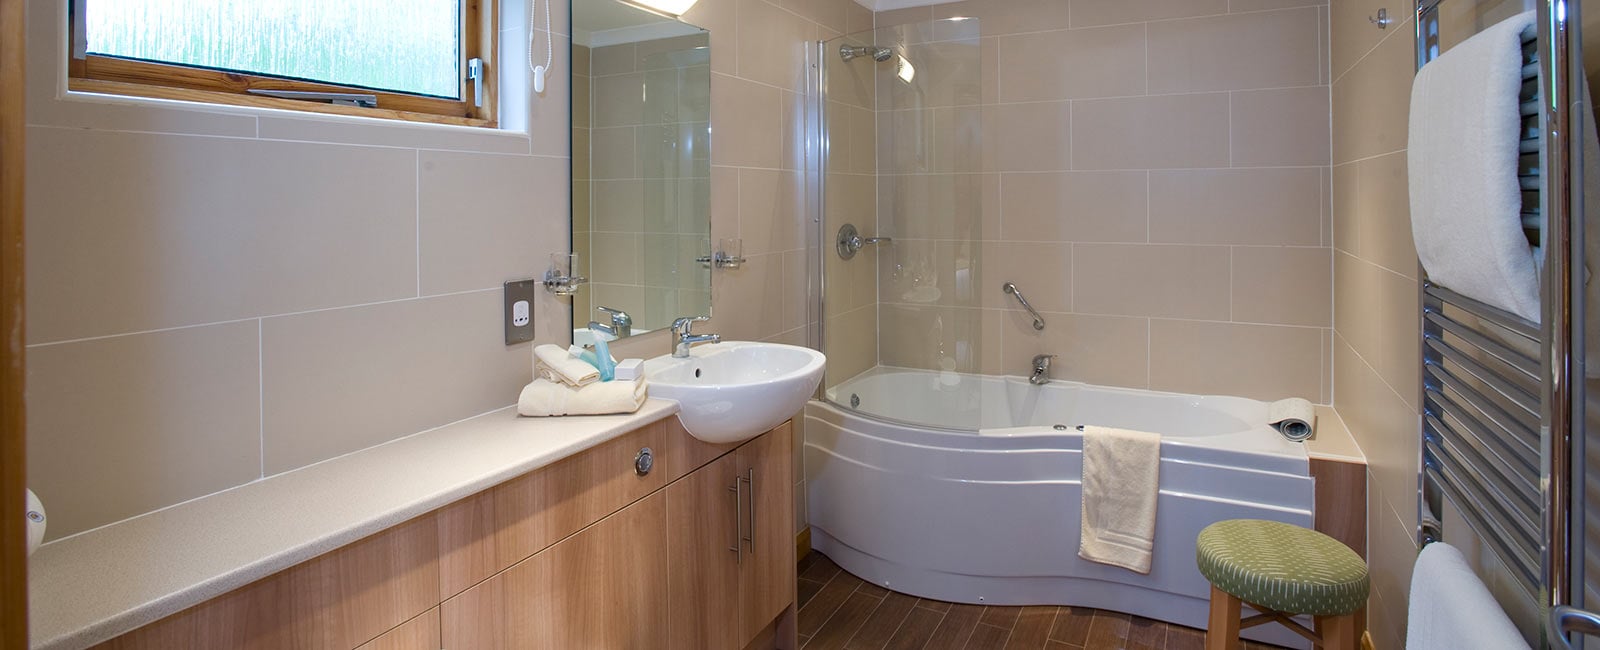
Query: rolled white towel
<point x="1295" y="418"/>
<point x="545" y="398"/>
<point x="558" y="365"/>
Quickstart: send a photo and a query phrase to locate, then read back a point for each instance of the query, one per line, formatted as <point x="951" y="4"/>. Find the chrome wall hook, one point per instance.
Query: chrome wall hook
<point x="1383" y="20"/>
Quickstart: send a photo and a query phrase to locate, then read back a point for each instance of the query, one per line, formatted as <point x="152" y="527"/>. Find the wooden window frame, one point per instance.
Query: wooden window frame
<point x="480" y="28"/>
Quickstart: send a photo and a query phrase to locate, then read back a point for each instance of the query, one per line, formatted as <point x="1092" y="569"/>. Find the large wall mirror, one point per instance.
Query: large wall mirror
<point x="641" y="166"/>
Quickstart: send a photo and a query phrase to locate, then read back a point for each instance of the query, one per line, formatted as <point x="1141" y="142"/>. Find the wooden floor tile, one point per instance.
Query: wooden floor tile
<point x="1107" y="630"/>
<point x="1185" y="638"/>
<point x="884" y="622"/>
<point x="1033" y="628"/>
<point x="827" y="601"/>
<point x="956" y="628"/>
<point x="988" y="637"/>
<point x="839" y="611"/>
<point x="1072" y="625"/>
<point x="845" y="622"/>
<point x="915" y="631"/>
<point x="1004" y="618"/>
<point x="1146" y="634"/>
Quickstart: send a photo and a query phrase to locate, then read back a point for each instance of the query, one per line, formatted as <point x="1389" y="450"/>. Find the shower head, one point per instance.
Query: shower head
<point x="879" y="54"/>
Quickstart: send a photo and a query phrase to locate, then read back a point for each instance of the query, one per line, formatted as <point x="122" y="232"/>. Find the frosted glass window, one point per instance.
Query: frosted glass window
<point x="406" y="46"/>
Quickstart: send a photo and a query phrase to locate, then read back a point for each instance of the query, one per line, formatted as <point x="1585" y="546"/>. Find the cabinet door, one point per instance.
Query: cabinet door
<point x="766" y="578"/>
<point x="703" y="568"/>
<point x="604" y="587"/>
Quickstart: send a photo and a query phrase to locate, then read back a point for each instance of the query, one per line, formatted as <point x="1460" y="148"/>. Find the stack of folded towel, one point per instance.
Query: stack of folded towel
<point x="566" y="385"/>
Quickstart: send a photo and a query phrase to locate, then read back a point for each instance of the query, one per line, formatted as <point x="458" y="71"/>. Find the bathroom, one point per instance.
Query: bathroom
<point x="1199" y="197"/>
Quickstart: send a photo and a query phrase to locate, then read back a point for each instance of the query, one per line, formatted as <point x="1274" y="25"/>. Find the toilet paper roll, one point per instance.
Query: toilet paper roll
<point x="36" y="521"/>
<point x="1295" y="418"/>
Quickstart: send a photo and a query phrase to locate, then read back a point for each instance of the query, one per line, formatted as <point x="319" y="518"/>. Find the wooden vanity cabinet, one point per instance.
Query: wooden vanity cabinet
<point x="730" y="546"/>
<point x="696" y="554"/>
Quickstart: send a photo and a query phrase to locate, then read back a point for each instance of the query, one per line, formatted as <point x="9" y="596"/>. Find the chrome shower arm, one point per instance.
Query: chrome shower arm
<point x="1038" y="321"/>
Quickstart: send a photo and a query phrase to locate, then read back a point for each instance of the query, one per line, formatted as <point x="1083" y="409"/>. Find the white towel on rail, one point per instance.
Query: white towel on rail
<point x="1121" y="480"/>
<point x="1451" y="609"/>
<point x="1466" y="201"/>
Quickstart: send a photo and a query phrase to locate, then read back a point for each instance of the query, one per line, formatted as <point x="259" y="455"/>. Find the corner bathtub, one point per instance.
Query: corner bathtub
<point x="992" y="517"/>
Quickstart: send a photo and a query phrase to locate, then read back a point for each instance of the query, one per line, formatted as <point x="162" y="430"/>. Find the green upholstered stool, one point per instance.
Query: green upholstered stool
<point x="1280" y="571"/>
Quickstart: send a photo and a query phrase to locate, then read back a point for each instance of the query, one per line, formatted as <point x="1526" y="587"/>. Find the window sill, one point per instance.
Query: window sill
<point x="115" y="88"/>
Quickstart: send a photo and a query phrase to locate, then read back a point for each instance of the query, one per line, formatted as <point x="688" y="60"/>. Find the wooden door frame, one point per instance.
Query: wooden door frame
<point x="13" y="531"/>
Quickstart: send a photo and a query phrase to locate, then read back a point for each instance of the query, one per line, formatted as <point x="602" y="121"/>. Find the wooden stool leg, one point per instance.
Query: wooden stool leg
<point x="1222" y="628"/>
<point x="1339" y="632"/>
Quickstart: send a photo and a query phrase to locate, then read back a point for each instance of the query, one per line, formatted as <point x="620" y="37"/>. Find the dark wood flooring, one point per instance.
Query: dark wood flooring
<point x="840" y="611"/>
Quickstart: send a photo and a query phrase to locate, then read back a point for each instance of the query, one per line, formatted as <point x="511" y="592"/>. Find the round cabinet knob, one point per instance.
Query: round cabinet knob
<point x="644" y="462"/>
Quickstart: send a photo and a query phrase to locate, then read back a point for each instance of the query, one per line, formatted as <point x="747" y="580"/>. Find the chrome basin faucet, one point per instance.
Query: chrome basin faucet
<point x="1041" y="370"/>
<point x="621" y="323"/>
<point x="682" y="338"/>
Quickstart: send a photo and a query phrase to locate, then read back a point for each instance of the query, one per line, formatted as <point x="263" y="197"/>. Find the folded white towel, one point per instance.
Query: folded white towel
<point x="558" y="365"/>
<point x="1450" y="608"/>
<point x="1466" y="201"/>
<point x="544" y="398"/>
<point x="1295" y="418"/>
<point x="1121" y="480"/>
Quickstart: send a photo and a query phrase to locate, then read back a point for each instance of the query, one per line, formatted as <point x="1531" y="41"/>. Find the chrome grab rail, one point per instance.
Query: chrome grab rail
<point x="1566" y="618"/>
<point x="1038" y="321"/>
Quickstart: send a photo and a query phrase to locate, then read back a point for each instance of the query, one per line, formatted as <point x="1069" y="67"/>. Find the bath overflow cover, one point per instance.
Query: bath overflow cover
<point x="855" y="400"/>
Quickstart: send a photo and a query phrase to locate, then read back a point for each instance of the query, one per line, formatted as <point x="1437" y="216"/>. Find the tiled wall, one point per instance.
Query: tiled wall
<point x="1153" y="175"/>
<point x="1377" y="383"/>
<point x="582" y="189"/>
<point x="651" y="190"/>
<point x="217" y="296"/>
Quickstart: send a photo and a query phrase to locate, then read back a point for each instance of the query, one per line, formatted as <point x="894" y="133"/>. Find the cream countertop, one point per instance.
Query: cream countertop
<point x="96" y="585"/>
<point x="1333" y="440"/>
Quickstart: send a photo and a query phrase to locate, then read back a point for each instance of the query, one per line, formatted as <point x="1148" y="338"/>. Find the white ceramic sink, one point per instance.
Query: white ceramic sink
<point x="736" y="390"/>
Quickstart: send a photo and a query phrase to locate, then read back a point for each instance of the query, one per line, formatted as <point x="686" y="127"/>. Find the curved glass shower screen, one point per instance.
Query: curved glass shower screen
<point x="903" y="168"/>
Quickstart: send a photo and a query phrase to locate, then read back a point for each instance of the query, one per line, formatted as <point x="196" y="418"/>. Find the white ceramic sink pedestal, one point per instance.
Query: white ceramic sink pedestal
<point x="736" y="390"/>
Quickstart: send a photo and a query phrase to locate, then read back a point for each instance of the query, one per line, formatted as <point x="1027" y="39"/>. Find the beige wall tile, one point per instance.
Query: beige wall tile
<point x="613" y="153"/>
<point x="1383" y="208"/>
<point x="1353" y="36"/>
<point x="721" y="19"/>
<point x="1008" y="16"/>
<point x="1263" y="5"/>
<point x="379" y="133"/>
<point x="1075" y="206"/>
<point x="125" y="425"/>
<point x="1283" y="286"/>
<point x="1384" y="427"/>
<point x="1104" y="350"/>
<point x="1356" y="296"/>
<point x="1265" y="362"/>
<point x="851" y="339"/>
<point x="1281" y="127"/>
<point x="1105" y="12"/>
<point x="1042" y="270"/>
<point x="930" y="272"/>
<point x="770" y="42"/>
<point x="740" y="299"/>
<point x="930" y="206"/>
<point x="1346" y="199"/>
<point x="476" y="240"/>
<point x="1268" y="49"/>
<point x="330" y="225"/>
<point x="933" y="337"/>
<point x="1072" y="64"/>
<point x="949" y="73"/>
<point x="752" y="139"/>
<point x="613" y="59"/>
<point x="1237" y="206"/>
<point x="1032" y="137"/>
<point x="769" y="211"/>
<point x="618" y="257"/>
<point x="1166" y="132"/>
<point x="1151" y="280"/>
<point x="1371" y="102"/>
<point x="1399" y="329"/>
<point x="346" y="379"/>
<point x="618" y="99"/>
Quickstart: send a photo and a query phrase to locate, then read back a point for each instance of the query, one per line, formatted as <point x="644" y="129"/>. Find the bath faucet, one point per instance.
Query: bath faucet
<point x="683" y="338"/>
<point x="1041" y="369"/>
<point x="621" y="323"/>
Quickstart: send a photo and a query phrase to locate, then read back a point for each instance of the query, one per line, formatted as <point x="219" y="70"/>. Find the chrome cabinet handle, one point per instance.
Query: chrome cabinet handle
<point x="1038" y="321"/>
<point x="750" y="504"/>
<point x="644" y="461"/>
<point x="738" y="532"/>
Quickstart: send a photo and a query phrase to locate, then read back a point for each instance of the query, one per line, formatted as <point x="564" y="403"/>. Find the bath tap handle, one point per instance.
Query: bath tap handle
<point x="1038" y="321"/>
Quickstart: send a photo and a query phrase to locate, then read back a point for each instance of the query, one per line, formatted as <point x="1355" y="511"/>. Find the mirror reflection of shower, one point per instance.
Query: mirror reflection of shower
<point x="879" y="54"/>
